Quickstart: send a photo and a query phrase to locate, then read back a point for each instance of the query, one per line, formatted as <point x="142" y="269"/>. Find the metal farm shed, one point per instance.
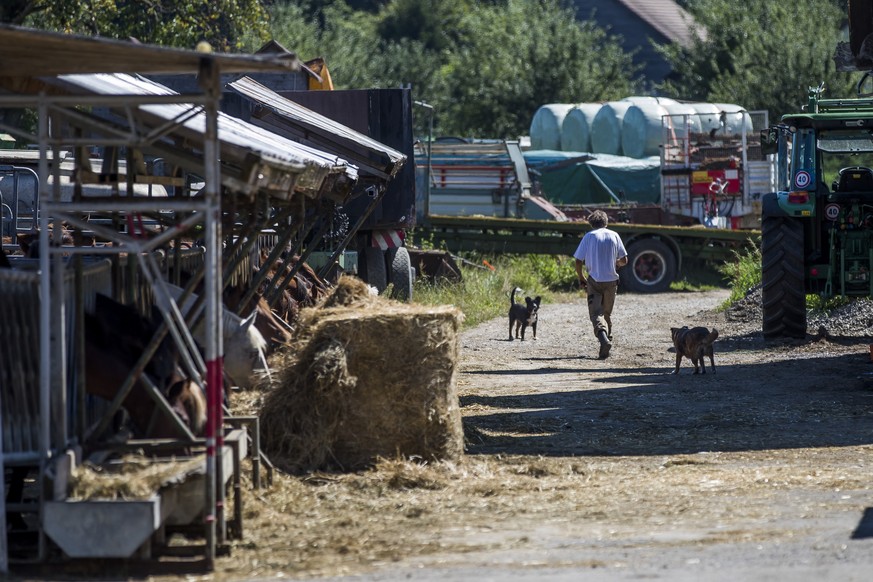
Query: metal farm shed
<point x="230" y="180"/>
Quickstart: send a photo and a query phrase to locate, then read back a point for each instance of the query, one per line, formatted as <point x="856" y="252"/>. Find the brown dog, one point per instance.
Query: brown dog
<point x="694" y="344"/>
<point x="523" y="315"/>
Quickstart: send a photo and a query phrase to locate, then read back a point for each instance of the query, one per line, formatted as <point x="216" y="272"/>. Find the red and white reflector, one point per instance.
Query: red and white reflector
<point x="388" y="239"/>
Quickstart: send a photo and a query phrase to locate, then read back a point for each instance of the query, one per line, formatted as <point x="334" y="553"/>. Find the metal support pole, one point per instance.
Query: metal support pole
<point x="4" y="548"/>
<point x="45" y="330"/>
<point x="270" y="291"/>
<point x="429" y="157"/>
<point x="277" y="290"/>
<point x="209" y="79"/>
<point x="263" y="270"/>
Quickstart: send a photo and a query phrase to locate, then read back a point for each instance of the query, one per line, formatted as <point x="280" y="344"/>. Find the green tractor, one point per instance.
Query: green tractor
<point x="817" y="228"/>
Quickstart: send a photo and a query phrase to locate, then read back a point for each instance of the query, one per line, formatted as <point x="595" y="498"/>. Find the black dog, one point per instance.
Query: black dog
<point x="523" y="315"/>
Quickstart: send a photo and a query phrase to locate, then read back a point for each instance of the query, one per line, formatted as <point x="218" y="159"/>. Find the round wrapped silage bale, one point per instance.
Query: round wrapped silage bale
<point x="683" y="116"/>
<point x="545" y="127"/>
<point x="606" y="128"/>
<point x="736" y="118"/>
<point x="641" y="132"/>
<point x="708" y="114"/>
<point x="641" y="99"/>
<point x="576" y="130"/>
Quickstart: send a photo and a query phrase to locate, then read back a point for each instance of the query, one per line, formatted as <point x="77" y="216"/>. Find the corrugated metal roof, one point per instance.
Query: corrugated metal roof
<point x="29" y="52"/>
<point x="297" y="122"/>
<point x="240" y="142"/>
<point x="668" y="18"/>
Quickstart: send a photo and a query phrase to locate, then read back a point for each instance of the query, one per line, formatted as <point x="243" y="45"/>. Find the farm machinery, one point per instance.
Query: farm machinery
<point x="817" y="226"/>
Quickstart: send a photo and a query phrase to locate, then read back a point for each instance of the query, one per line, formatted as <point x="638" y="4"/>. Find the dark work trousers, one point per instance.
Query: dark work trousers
<point x="601" y="299"/>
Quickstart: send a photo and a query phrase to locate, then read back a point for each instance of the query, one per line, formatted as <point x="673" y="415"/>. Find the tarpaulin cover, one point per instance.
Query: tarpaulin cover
<point x="579" y="177"/>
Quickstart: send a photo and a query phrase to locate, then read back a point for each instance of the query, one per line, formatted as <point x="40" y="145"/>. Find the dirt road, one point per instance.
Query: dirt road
<point x="585" y="469"/>
<point x="620" y="469"/>
<point x="578" y="468"/>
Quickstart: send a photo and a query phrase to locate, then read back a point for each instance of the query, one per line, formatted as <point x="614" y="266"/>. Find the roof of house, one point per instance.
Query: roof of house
<point x="668" y="18"/>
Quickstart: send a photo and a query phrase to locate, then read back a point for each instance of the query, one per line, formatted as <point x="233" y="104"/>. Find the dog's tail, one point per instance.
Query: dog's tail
<point x="711" y="336"/>
<point x="512" y="297"/>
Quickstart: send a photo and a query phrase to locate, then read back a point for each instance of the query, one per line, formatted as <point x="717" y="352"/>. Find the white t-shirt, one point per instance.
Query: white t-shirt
<point x="599" y="250"/>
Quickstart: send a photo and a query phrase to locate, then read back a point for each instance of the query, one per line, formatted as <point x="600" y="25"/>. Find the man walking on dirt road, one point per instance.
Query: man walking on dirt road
<point x="601" y="253"/>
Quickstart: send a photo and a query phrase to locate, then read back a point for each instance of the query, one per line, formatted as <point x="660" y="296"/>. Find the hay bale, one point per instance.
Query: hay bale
<point x="348" y="291"/>
<point x="365" y="377"/>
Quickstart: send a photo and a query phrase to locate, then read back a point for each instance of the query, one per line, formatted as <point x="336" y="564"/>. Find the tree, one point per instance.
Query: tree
<point x="180" y="23"/>
<point x="500" y="62"/>
<point x="17" y="11"/>
<point x="764" y="56"/>
<point x="438" y="24"/>
<point x="523" y="55"/>
<point x="356" y="55"/>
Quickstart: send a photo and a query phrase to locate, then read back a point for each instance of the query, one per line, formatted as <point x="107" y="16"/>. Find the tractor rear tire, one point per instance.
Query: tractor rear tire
<point x="783" y="293"/>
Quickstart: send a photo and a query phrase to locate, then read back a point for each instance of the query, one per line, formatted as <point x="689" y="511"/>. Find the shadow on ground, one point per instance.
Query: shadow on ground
<point x="820" y="402"/>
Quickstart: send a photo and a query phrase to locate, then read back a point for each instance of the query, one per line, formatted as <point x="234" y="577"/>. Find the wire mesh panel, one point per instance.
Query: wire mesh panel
<point x="19" y="350"/>
<point x="19" y="363"/>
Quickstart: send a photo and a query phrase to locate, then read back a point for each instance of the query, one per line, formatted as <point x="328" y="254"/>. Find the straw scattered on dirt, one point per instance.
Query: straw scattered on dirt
<point x="575" y="462"/>
<point x="129" y="478"/>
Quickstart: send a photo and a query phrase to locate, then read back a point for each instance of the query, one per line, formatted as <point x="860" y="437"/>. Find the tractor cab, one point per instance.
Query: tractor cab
<point x="852" y="180"/>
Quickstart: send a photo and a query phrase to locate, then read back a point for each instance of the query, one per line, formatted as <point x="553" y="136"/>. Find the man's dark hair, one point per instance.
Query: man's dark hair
<point x="598" y="219"/>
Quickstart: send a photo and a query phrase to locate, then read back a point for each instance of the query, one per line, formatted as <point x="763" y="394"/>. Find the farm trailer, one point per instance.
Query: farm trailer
<point x="378" y="139"/>
<point x="710" y="172"/>
<point x="459" y="177"/>
<point x="656" y="253"/>
<point x="485" y="200"/>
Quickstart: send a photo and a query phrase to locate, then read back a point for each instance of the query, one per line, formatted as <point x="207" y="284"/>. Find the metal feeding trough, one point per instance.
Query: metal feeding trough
<point x="119" y="528"/>
<point x="104" y="528"/>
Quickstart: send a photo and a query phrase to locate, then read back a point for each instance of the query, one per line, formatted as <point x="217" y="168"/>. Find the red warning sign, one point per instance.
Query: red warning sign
<point x="701" y="181"/>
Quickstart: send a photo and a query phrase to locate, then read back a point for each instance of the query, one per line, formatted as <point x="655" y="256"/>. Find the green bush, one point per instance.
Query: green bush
<point x="743" y="274"/>
<point x="818" y="304"/>
<point x="487" y="283"/>
<point x="553" y="272"/>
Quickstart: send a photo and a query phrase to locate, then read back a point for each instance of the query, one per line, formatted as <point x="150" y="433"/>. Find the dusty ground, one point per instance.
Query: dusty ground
<point x="614" y="469"/>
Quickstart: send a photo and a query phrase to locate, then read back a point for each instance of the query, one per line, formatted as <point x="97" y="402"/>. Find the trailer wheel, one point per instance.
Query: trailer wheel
<point x="783" y="294"/>
<point x="651" y="267"/>
<point x="375" y="270"/>
<point x="401" y="274"/>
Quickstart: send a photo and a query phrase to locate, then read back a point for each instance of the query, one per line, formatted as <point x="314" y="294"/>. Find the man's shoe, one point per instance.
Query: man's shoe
<point x="605" y="345"/>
